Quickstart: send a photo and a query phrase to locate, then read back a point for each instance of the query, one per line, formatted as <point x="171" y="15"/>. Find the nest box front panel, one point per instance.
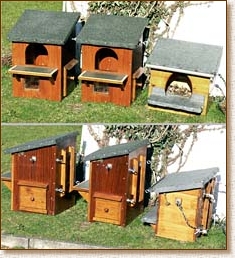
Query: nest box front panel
<point x="112" y="63"/>
<point x="178" y="92"/>
<point x="36" y="71"/>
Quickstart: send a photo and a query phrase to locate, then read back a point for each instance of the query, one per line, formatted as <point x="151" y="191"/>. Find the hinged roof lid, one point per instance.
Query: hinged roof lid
<point x="185" y="57"/>
<point x="184" y="180"/>
<point x="116" y="150"/>
<point x="112" y="31"/>
<point x="54" y="140"/>
<point x="45" y="27"/>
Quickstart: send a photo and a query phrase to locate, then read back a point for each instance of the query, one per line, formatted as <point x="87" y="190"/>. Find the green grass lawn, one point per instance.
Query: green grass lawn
<point x="71" y="109"/>
<point x="71" y="225"/>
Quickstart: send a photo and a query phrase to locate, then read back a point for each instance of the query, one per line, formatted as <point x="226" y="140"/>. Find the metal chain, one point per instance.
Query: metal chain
<point x="186" y="220"/>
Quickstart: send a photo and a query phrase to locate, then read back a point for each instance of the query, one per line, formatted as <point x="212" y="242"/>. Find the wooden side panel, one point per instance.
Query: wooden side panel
<point x="171" y="223"/>
<point x="50" y="89"/>
<point x="123" y="64"/>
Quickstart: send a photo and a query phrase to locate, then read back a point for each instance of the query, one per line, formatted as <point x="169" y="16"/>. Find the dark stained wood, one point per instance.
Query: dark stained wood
<point x="38" y="175"/>
<point x="122" y="64"/>
<point x="114" y="191"/>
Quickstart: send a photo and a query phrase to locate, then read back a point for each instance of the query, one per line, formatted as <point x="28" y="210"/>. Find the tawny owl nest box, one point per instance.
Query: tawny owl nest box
<point x="43" y="53"/>
<point x="181" y="73"/>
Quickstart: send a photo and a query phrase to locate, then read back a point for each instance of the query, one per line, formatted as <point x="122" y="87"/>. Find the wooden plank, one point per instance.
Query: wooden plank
<point x="71" y="149"/>
<point x="159" y="98"/>
<point x="142" y="177"/>
<point x="71" y="64"/>
<point x="32" y="183"/>
<point x="105" y="196"/>
<point x="105" y="77"/>
<point x="207" y="205"/>
<point x="63" y="171"/>
<point x="33" y="70"/>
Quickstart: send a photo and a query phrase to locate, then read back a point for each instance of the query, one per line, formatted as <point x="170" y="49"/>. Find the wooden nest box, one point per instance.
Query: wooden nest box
<point x="42" y="175"/>
<point x="43" y="54"/>
<point x="112" y="57"/>
<point x="184" y="207"/>
<point x="116" y="182"/>
<point x="181" y="74"/>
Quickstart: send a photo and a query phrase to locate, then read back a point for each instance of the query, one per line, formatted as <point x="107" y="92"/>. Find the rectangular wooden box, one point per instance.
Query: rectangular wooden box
<point x="184" y="206"/>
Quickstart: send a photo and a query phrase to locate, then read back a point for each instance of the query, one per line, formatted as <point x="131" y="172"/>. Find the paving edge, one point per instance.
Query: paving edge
<point x="36" y="243"/>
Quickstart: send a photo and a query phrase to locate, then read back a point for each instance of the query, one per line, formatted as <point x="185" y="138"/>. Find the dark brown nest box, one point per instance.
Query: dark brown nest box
<point x="115" y="190"/>
<point x="43" y="54"/>
<point x="181" y="73"/>
<point x="184" y="206"/>
<point x="42" y="174"/>
<point x="112" y="57"/>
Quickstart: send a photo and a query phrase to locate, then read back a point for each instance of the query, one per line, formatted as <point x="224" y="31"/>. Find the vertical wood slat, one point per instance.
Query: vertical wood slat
<point x="63" y="171"/>
<point x="207" y="206"/>
<point x="133" y="186"/>
<point x="13" y="171"/>
<point x="142" y="177"/>
<point x="72" y="168"/>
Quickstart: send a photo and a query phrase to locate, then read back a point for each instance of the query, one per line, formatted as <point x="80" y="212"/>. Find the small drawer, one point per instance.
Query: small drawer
<point x="107" y="210"/>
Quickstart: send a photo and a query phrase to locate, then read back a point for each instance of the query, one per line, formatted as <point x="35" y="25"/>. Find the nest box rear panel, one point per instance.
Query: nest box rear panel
<point x="185" y="204"/>
<point x="108" y="189"/>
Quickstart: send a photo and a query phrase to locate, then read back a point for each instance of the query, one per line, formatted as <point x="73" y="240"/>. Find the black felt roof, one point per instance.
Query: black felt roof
<point x="54" y="140"/>
<point x="179" y="55"/>
<point x="116" y="150"/>
<point x="45" y="27"/>
<point x="112" y="31"/>
<point x="185" y="180"/>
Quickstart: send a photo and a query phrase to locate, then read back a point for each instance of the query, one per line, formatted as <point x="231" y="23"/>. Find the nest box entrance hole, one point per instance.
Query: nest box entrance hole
<point x="35" y="54"/>
<point x="106" y="60"/>
<point x="179" y="84"/>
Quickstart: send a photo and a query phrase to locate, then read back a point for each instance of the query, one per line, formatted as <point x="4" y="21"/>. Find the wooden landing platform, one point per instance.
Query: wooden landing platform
<point x="193" y="104"/>
<point x="83" y="189"/>
<point x="6" y="179"/>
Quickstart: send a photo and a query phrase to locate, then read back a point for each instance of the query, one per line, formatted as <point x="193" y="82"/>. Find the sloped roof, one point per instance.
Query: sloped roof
<point x="185" y="180"/>
<point x="184" y="56"/>
<point x="45" y="27"/>
<point x="54" y="140"/>
<point x="112" y="31"/>
<point x="116" y="150"/>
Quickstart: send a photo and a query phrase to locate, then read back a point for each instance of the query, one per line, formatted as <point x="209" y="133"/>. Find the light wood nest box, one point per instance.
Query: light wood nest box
<point x="43" y="54"/>
<point x="181" y="73"/>
<point x="42" y="174"/>
<point x="184" y="207"/>
<point x="112" y="58"/>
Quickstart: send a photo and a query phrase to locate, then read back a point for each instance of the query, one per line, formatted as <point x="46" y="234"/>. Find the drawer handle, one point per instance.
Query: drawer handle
<point x="106" y="210"/>
<point x="32" y="199"/>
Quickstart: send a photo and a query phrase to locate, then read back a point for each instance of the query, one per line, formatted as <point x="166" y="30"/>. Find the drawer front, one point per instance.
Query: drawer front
<point x="33" y="199"/>
<point x="107" y="211"/>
